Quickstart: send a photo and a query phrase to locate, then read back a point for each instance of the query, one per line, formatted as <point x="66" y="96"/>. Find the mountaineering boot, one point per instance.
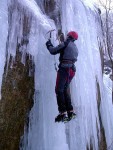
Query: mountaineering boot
<point x="62" y="117"/>
<point x="58" y="118"/>
<point x="71" y="115"/>
<point x="65" y="118"/>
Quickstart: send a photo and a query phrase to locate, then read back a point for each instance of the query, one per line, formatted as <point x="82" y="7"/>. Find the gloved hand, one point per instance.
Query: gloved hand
<point x="48" y="44"/>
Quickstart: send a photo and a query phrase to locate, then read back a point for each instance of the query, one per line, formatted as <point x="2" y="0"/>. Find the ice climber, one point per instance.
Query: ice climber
<point x="68" y="56"/>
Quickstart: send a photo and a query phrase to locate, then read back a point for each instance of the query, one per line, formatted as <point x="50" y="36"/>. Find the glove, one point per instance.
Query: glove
<point x="48" y="44"/>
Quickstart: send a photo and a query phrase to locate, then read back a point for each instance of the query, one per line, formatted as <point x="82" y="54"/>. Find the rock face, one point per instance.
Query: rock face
<point x="17" y="100"/>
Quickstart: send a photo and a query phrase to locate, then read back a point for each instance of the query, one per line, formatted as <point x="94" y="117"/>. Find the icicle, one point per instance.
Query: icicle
<point x="3" y="31"/>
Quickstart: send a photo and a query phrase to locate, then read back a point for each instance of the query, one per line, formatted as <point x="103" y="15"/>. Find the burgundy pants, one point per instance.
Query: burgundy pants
<point x="64" y="77"/>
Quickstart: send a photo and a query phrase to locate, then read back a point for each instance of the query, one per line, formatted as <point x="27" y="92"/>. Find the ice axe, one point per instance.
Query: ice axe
<point x="49" y="32"/>
<point x="55" y="63"/>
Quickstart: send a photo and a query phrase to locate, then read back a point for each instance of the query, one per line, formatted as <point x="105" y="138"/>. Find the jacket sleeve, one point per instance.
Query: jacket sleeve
<point x="55" y="50"/>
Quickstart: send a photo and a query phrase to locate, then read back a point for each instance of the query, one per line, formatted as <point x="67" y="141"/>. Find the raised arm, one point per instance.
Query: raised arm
<point x="55" y="50"/>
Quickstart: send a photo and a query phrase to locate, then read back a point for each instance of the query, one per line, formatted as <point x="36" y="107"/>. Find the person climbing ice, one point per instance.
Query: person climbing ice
<point x="68" y="56"/>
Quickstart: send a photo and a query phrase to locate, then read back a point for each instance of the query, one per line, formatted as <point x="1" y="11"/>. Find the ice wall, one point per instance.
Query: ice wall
<point x="82" y="132"/>
<point x="88" y="66"/>
<point x="32" y="24"/>
<point x="84" y="89"/>
<point x="42" y="133"/>
<point x="107" y="110"/>
<point x="3" y="33"/>
<point x="32" y="28"/>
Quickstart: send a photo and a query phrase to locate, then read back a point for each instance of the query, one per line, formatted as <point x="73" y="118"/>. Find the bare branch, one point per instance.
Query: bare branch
<point x="102" y="3"/>
<point x="106" y="3"/>
<point x="107" y="25"/>
<point x="111" y="8"/>
<point x="109" y="5"/>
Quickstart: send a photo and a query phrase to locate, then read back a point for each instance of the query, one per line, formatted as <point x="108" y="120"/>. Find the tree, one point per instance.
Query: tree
<point x="107" y="25"/>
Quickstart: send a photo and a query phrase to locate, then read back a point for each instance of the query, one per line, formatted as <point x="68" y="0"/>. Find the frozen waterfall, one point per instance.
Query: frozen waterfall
<point x="3" y="31"/>
<point x="91" y="97"/>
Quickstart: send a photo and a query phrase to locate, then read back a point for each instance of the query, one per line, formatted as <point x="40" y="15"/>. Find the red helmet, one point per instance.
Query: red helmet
<point x="73" y="34"/>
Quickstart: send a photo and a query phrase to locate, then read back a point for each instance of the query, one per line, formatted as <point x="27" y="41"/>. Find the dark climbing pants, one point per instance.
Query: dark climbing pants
<point x="64" y="77"/>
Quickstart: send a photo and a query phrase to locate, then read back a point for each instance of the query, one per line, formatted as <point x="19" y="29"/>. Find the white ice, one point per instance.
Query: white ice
<point x="107" y="110"/>
<point x="82" y="20"/>
<point x="43" y="133"/>
<point x="3" y="38"/>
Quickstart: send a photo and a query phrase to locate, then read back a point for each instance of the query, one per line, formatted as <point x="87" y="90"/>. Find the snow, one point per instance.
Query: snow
<point x="3" y="32"/>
